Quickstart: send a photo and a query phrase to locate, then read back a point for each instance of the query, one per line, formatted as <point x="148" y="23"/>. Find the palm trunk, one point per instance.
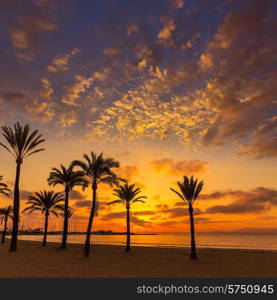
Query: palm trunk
<point x="90" y="222"/>
<point x="16" y="207"/>
<point x="4" y="231"/>
<point x="193" y="246"/>
<point x="45" y="229"/>
<point x="128" y="233"/>
<point x="65" y="223"/>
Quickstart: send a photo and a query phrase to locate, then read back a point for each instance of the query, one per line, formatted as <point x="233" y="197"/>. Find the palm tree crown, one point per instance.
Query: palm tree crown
<point x="97" y="169"/>
<point x="21" y="142"/>
<point x="6" y="213"/>
<point x="48" y="202"/>
<point x="69" y="213"/>
<point x="189" y="189"/>
<point x="67" y="177"/>
<point x="127" y="195"/>
<point x="4" y="190"/>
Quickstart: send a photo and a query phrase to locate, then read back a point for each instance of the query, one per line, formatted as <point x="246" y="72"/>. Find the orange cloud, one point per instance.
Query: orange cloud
<point x="165" y="34"/>
<point x="60" y="63"/>
<point x="128" y="172"/>
<point x="179" y="167"/>
<point x="27" y="34"/>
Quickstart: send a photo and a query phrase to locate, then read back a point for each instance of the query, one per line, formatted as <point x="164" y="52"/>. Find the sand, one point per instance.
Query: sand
<point x="33" y="260"/>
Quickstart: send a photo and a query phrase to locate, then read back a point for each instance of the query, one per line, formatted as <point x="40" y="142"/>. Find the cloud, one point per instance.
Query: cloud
<point x="257" y="200"/>
<point x="119" y="215"/>
<point x="84" y="203"/>
<point x="177" y="212"/>
<point x="25" y="56"/>
<point x="260" y="148"/>
<point x="177" y="4"/>
<point x="24" y="194"/>
<point x="236" y="208"/>
<point x="128" y="172"/>
<point x="132" y="29"/>
<point x="49" y="4"/>
<point x="220" y="194"/>
<point x="165" y="34"/>
<point x="162" y="206"/>
<point x="67" y="119"/>
<point x="46" y="89"/>
<point x="27" y="33"/>
<point x="76" y="195"/>
<point x="40" y="111"/>
<point x="264" y="141"/>
<point x="235" y="88"/>
<point x="73" y="92"/>
<point x="60" y="62"/>
<point x="144" y="213"/>
<point x="179" y="167"/>
<point x="195" y="91"/>
<point x="112" y="51"/>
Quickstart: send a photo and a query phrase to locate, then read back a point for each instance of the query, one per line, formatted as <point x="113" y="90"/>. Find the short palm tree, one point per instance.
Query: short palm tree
<point x="68" y="178"/>
<point x="47" y="202"/>
<point x="21" y="144"/>
<point x="4" y="190"/>
<point x="189" y="191"/>
<point x="5" y="214"/>
<point x="127" y="195"/>
<point x="97" y="170"/>
<point x="69" y="213"/>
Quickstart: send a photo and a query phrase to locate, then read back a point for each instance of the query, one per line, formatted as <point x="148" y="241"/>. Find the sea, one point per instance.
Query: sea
<point x="176" y="240"/>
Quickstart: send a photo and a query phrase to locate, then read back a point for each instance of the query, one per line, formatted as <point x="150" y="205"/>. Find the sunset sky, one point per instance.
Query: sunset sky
<point x="166" y="87"/>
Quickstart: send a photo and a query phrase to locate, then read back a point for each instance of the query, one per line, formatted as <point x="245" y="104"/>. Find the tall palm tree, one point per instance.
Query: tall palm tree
<point x="4" y="190"/>
<point x="97" y="170"/>
<point x="189" y="191"/>
<point x="48" y="203"/>
<point x="68" y="178"/>
<point x="127" y="195"/>
<point x="5" y="215"/>
<point x="21" y="144"/>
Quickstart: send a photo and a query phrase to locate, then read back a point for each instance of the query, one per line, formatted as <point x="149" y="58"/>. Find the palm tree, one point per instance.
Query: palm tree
<point x="97" y="170"/>
<point x="48" y="203"/>
<point x="189" y="191"/>
<point x="4" y="190"/>
<point x="68" y="178"/>
<point x="21" y="144"/>
<point x="127" y="195"/>
<point x="5" y="214"/>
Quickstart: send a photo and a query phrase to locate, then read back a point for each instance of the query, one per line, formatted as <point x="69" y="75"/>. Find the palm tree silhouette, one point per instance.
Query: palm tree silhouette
<point x="189" y="191"/>
<point x="4" y="190"/>
<point x="48" y="203"/>
<point x="21" y="144"/>
<point x="68" y="178"/>
<point x="5" y="214"/>
<point x="127" y="195"/>
<point x="97" y="170"/>
<point x="69" y="213"/>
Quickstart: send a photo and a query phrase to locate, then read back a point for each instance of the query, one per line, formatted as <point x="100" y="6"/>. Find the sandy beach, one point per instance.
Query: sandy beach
<point x="33" y="260"/>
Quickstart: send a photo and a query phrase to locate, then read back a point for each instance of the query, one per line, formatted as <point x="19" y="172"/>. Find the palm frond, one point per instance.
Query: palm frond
<point x="21" y="142"/>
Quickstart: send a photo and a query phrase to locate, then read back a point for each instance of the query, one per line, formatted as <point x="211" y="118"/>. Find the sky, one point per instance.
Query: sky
<point x="166" y="87"/>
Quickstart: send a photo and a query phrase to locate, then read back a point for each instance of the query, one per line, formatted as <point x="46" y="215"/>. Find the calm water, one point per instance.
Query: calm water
<point x="204" y="240"/>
